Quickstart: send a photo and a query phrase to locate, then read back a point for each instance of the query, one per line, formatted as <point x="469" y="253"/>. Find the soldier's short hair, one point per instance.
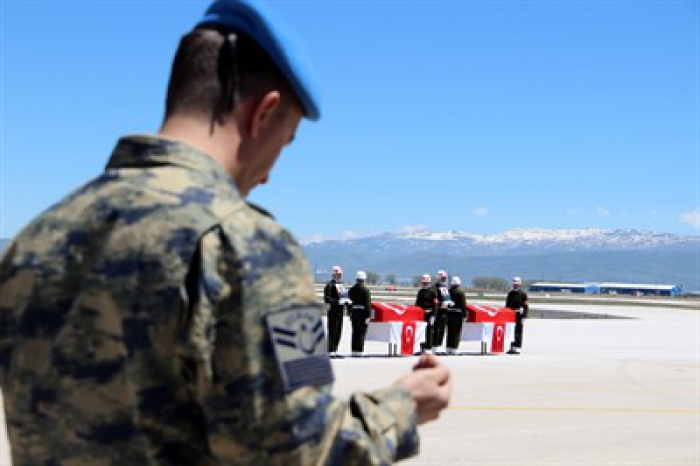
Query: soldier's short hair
<point x="214" y="69"/>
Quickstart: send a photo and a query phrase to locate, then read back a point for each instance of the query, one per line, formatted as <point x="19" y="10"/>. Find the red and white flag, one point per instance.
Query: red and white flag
<point x="408" y="338"/>
<point x="499" y="338"/>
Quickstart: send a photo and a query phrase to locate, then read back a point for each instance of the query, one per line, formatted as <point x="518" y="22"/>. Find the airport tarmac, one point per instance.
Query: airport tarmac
<point x="584" y="392"/>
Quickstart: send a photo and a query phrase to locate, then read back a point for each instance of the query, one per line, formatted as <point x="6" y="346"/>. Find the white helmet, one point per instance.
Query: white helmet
<point x="425" y="278"/>
<point x="517" y="281"/>
<point x="337" y="269"/>
<point x="361" y="275"/>
<point x="441" y="274"/>
<point x="456" y="281"/>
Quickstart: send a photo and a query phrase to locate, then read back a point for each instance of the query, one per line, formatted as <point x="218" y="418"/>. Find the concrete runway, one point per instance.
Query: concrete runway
<point x="584" y="392"/>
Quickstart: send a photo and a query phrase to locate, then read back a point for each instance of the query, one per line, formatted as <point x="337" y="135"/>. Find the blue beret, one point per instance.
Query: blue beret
<point x="274" y="36"/>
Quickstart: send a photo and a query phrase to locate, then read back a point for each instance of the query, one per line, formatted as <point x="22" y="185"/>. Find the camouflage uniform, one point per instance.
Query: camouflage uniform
<point x="144" y="320"/>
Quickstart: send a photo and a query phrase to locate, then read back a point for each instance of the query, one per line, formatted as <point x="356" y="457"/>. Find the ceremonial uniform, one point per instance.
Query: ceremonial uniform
<point x="517" y="300"/>
<point x="455" y="316"/>
<point x="153" y="317"/>
<point x="427" y="300"/>
<point x="332" y="293"/>
<point x="443" y="295"/>
<point x="360" y="312"/>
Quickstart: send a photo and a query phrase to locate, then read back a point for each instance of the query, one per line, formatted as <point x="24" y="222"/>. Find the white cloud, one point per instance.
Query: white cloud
<point x="691" y="218"/>
<point x="481" y="212"/>
<point x="408" y="229"/>
<point x="602" y="212"/>
<point x="349" y="234"/>
<point x="574" y="210"/>
<point x="316" y="238"/>
<point x="343" y="235"/>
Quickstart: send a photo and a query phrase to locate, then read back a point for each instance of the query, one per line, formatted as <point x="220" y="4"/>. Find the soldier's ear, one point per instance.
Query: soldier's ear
<point x="263" y="113"/>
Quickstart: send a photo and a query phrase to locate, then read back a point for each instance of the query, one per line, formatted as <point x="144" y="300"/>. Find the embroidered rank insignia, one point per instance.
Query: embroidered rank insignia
<point x="300" y="347"/>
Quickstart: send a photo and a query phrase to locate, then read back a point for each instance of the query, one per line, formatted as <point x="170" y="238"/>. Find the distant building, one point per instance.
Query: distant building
<point x="641" y="289"/>
<point x="634" y="289"/>
<point x="587" y="288"/>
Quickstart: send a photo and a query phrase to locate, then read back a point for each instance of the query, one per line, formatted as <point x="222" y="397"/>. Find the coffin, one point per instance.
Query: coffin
<point x="481" y="313"/>
<point x="394" y="312"/>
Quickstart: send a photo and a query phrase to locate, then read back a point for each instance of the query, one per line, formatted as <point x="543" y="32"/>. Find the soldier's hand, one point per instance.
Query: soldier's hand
<point x="430" y="385"/>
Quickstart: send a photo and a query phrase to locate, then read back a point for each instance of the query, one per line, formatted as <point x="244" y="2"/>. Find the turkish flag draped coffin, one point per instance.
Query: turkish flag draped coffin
<point x="393" y="312"/>
<point x="495" y="325"/>
<point x="481" y="313"/>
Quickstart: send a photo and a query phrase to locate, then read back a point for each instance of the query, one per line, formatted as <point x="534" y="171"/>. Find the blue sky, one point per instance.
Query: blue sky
<point x="478" y="116"/>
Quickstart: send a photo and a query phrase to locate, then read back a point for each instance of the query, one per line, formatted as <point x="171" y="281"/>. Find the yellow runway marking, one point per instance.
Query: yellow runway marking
<point x="574" y="409"/>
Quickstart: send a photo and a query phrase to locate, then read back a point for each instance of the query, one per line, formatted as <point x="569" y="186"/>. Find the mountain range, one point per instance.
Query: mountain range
<point x="583" y="255"/>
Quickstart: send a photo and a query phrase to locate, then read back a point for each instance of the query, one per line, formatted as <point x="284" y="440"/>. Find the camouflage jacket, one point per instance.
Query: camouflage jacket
<point x="153" y="317"/>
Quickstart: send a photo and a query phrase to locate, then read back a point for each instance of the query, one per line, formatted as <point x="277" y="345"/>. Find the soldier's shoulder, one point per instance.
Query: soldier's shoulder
<point x="251" y="224"/>
<point x="262" y="211"/>
<point x="247" y="215"/>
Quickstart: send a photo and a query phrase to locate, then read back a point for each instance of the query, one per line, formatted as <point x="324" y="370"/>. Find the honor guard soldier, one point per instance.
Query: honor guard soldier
<point x="428" y="300"/>
<point x="443" y="293"/>
<point x="517" y="301"/>
<point x="456" y="314"/>
<point x="360" y="312"/>
<point x="336" y="296"/>
<point x="154" y="317"/>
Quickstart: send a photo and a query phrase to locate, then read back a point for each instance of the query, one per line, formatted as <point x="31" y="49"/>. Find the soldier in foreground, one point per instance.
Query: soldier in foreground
<point x="154" y="317"/>
<point x="517" y="301"/>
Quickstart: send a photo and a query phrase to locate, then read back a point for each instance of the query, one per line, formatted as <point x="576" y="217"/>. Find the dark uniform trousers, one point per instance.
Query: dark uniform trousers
<point x="439" y="330"/>
<point x="429" y="329"/>
<point x="454" y="328"/>
<point x="518" y="329"/>
<point x="335" y="327"/>
<point x="359" y="329"/>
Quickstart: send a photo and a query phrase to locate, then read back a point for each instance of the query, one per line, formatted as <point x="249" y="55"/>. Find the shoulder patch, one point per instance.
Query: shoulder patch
<point x="300" y="347"/>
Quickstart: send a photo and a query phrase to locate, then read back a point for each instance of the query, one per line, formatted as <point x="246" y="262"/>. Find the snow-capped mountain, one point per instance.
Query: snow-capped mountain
<point x="565" y="255"/>
<point x="518" y="240"/>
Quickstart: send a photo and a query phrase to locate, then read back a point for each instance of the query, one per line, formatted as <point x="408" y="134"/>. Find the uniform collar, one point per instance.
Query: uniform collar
<point x="144" y="151"/>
